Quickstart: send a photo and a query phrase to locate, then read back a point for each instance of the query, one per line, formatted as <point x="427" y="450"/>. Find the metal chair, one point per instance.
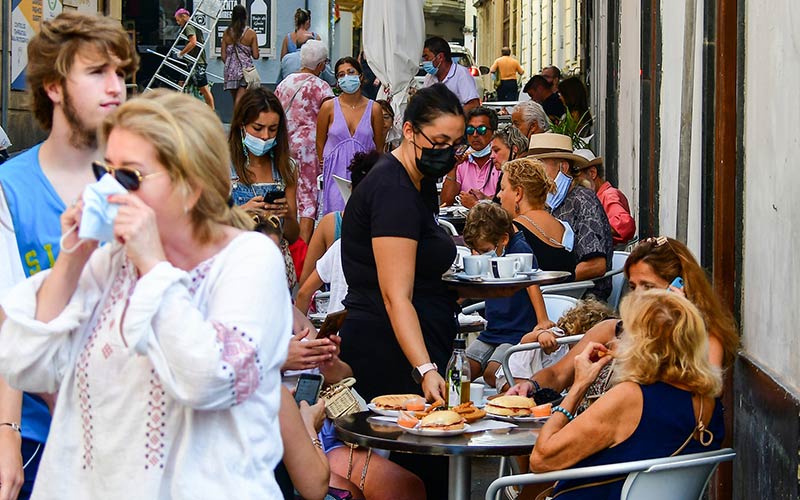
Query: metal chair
<point x="617" y="278"/>
<point x="684" y="476"/>
<point x="451" y="229"/>
<point x="574" y="289"/>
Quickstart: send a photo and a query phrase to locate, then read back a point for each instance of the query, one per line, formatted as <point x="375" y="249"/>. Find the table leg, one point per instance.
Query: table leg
<point x="459" y="487"/>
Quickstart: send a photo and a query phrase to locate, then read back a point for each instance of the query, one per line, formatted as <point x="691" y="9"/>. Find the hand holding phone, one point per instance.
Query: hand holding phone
<point x="271" y="196"/>
<point x="333" y="322"/>
<point x="308" y="387"/>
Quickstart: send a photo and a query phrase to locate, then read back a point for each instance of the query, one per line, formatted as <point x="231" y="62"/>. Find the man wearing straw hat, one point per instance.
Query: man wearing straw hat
<point x="614" y="202"/>
<point x="578" y="206"/>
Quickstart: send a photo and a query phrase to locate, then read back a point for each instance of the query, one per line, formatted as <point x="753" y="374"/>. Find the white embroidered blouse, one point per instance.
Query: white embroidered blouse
<point x="168" y="386"/>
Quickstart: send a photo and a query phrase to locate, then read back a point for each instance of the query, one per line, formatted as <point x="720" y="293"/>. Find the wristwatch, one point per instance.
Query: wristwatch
<point x="420" y="371"/>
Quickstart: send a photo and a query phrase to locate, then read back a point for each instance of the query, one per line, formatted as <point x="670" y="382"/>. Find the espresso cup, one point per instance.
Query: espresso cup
<point x="503" y="267"/>
<point x="525" y="261"/>
<point x="476" y="265"/>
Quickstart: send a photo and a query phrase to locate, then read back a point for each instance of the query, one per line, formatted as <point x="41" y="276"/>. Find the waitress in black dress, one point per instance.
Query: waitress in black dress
<point x="399" y="332"/>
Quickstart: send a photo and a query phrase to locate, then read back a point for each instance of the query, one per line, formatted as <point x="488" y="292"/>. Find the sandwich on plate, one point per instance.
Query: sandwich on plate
<point x="394" y="401"/>
<point x="445" y="420"/>
<point x="510" y="406"/>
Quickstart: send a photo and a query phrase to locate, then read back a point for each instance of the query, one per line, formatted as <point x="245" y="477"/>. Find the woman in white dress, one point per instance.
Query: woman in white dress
<point x="164" y="345"/>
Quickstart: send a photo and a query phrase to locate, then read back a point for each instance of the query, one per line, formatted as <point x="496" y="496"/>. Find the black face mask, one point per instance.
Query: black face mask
<point x="434" y="162"/>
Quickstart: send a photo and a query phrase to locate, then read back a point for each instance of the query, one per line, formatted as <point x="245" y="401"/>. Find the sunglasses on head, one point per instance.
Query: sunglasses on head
<point x="480" y="129"/>
<point x="129" y="178"/>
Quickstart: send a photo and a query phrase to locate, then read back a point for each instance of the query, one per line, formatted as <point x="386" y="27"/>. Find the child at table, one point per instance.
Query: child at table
<point x="489" y="230"/>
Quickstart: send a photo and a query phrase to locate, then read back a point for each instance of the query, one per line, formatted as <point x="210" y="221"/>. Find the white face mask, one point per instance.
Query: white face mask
<point x="97" y="220"/>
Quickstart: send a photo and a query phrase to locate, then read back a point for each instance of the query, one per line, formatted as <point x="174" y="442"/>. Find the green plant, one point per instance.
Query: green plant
<point x="573" y="128"/>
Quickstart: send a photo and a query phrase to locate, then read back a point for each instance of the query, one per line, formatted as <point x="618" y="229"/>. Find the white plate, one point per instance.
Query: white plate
<point x="464" y="276"/>
<point x="317" y="316"/>
<point x="417" y="431"/>
<point x="507" y="418"/>
<point x="532" y="272"/>
<point x="387" y="413"/>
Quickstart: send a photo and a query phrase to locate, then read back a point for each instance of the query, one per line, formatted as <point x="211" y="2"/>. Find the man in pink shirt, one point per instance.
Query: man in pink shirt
<point x="623" y="227"/>
<point x="475" y="178"/>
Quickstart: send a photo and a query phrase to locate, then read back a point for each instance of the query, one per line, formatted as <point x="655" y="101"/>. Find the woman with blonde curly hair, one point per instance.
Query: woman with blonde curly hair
<point x="161" y="343"/>
<point x="523" y="190"/>
<point x="665" y="401"/>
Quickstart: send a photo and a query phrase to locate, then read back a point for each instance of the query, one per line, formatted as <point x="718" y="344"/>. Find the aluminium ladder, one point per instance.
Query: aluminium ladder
<point x="206" y="9"/>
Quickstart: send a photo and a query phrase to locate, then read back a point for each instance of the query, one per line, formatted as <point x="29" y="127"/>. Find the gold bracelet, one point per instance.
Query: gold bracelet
<point x="317" y="443"/>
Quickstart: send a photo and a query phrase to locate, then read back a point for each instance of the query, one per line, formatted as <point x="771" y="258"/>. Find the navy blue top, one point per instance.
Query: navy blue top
<point x="667" y="420"/>
<point x="512" y="317"/>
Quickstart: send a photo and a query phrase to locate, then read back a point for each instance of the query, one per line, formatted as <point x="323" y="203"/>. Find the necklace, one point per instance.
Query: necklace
<point x="551" y="240"/>
<point x="353" y="106"/>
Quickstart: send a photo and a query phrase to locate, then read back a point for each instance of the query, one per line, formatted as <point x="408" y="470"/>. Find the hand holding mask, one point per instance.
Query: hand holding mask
<point x="96" y="221"/>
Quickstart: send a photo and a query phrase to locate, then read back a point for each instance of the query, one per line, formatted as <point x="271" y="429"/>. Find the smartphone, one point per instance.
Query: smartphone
<point x="677" y="283"/>
<point x="271" y="196"/>
<point x="333" y="322"/>
<point x="308" y="387"/>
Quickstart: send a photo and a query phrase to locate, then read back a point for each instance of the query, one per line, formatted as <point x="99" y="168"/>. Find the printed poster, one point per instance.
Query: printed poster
<point x="26" y="17"/>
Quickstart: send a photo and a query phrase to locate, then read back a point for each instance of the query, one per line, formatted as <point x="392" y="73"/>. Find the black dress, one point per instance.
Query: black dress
<point x="387" y="204"/>
<point x="550" y="258"/>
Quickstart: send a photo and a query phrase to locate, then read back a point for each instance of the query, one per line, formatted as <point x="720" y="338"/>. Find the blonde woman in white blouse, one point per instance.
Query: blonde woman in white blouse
<point x="165" y="345"/>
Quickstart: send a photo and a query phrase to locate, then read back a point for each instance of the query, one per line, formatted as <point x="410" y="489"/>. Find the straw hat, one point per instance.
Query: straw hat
<point x="558" y="146"/>
<point x="590" y="157"/>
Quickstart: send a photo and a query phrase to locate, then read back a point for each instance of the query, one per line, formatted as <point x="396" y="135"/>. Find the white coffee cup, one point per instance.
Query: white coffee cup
<point x="503" y="267"/>
<point x="476" y="393"/>
<point x="525" y="261"/>
<point x="476" y="265"/>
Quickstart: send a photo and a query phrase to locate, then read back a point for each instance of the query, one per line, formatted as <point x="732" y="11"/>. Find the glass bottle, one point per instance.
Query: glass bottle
<point x="458" y="375"/>
<point x="258" y="21"/>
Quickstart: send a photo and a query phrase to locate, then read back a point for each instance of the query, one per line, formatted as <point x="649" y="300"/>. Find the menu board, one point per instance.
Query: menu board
<point x="261" y="19"/>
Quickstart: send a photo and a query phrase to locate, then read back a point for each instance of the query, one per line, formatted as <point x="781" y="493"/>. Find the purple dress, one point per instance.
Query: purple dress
<point x="339" y="151"/>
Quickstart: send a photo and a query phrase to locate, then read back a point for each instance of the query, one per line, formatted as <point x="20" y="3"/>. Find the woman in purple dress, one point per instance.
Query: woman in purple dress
<point x="239" y="48"/>
<point x="346" y="125"/>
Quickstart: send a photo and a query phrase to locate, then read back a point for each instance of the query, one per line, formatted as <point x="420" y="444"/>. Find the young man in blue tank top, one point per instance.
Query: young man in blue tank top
<point x="35" y="186"/>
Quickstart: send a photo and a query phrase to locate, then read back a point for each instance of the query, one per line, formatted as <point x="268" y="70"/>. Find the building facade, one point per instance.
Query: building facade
<point x="539" y="33"/>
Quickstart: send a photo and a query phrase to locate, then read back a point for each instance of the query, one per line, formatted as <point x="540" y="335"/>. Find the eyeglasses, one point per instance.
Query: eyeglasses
<point x="129" y="178"/>
<point x="480" y="129"/>
<point x="441" y="145"/>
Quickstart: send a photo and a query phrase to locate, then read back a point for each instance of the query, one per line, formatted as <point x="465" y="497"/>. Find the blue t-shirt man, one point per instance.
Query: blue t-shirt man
<point x="34" y="209"/>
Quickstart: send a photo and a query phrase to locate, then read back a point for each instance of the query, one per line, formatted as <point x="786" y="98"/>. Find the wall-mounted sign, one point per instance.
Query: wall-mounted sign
<point x="261" y="16"/>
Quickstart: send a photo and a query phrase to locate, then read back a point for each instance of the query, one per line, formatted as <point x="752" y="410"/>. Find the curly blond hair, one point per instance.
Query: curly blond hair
<point x="52" y="51"/>
<point x="665" y="340"/>
<point x="529" y="174"/>
<point x="486" y="222"/>
<point x="587" y="313"/>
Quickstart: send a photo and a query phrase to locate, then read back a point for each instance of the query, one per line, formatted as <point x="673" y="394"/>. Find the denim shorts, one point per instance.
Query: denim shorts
<point x="242" y="193"/>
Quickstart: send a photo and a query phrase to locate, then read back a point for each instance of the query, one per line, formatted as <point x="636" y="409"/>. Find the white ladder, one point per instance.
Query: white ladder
<point x="206" y="10"/>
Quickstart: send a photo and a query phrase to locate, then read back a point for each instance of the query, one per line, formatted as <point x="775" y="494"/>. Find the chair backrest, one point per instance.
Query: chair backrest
<point x="574" y="289"/>
<point x="557" y="305"/>
<point x="687" y="479"/>
<point x="684" y="477"/>
<point x="617" y="280"/>
<point x="447" y="226"/>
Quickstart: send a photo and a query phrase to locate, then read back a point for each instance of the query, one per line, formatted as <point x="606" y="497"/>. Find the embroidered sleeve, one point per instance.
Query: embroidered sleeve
<point x="34" y="355"/>
<point x="212" y="346"/>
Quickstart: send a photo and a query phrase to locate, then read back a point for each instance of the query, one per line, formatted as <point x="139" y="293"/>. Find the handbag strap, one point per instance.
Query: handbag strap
<point x="700" y="428"/>
<point x="236" y="47"/>
<point x="291" y="101"/>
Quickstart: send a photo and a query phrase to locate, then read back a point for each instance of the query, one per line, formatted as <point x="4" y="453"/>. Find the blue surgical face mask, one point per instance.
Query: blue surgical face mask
<point x="429" y="68"/>
<point x="97" y="219"/>
<point x="483" y="153"/>
<point x="256" y="146"/>
<point x="493" y="253"/>
<point x="563" y="183"/>
<point x="350" y="83"/>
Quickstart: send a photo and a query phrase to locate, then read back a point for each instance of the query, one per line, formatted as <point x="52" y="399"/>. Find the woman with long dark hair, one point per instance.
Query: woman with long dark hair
<point x="264" y="175"/>
<point x="239" y="48"/>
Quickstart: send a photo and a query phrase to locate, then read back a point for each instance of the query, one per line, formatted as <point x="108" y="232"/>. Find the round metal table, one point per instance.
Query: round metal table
<point x="362" y="430"/>
<point x="488" y="290"/>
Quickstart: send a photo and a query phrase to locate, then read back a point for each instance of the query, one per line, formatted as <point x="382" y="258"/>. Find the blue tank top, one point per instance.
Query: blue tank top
<point x="35" y="210"/>
<point x="667" y="420"/>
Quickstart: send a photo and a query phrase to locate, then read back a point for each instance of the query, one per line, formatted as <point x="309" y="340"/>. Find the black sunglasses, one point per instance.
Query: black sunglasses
<point x="480" y="129"/>
<point x="129" y="178"/>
